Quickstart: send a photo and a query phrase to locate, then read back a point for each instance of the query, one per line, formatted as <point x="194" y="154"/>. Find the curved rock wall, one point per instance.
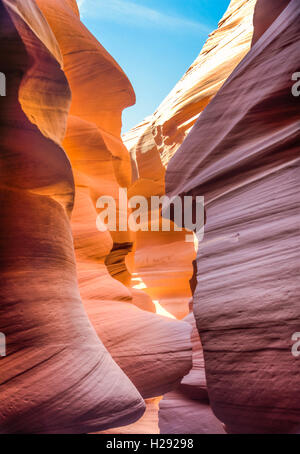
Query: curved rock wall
<point x="154" y="141"/>
<point x="152" y="144"/>
<point x="72" y="295"/>
<point x="246" y="303"/>
<point x="41" y="386"/>
<point x="243" y="156"/>
<point x="60" y="156"/>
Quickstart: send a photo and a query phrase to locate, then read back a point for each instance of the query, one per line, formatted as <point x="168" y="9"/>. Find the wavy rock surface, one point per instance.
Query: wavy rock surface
<point x="42" y="389"/>
<point x="243" y="156"/>
<point x="152" y="144"/>
<point x="59" y="158"/>
<point x="238" y="303"/>
<point x="148" y="424"/>
<point x="48" y="332"/>
<point x="154" y="141"/>
<point x="153" y="351"/>
<point x="186" y="410"/>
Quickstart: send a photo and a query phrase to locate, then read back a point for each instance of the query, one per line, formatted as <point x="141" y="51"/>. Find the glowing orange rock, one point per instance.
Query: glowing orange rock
<point x="154" y="141"/>
<point x="57" y="375"/>
<point x="154" y="352"/>
<point x="243" y="156"/>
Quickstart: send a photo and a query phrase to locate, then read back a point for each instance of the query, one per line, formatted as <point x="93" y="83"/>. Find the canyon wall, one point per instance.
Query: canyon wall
<point x="152" y="144"/>
<point x="84" y="348"/>
<point x="100" y="334"/>
<point x="242" y="154"/>
<point x="48" y="333"/>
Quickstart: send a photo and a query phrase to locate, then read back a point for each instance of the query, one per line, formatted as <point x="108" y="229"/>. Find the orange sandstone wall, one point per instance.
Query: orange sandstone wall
<point x="61" y="125"/>
<point x="152" y="144"/>
<point x="42" y="387"/>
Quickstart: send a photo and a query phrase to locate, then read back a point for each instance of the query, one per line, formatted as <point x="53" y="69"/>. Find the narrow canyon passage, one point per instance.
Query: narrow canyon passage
<point x="101" y="331"/>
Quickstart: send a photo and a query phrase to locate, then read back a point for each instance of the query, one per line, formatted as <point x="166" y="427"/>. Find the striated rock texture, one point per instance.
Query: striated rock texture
<point x="243" y="156"/>
<point x="186" y="410"/>
<point x="84" y="311"/>
<point x="153" y="142"/>
<point x="153" y="351"/>
<point x="57" y="375"/>
<point x="59" y="157"/>
<point x="148" y="424"/>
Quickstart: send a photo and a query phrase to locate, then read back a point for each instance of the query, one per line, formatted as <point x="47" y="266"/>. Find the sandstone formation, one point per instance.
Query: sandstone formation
<point x="186" y="410"/>
<point x="148" y="424"/>
<point x="181" y="414"/>
<point x="243" y="156"/>
<point x="246" y="301"/>
<point x="61" y="156"/>
<point x="153" y="351"/>
<point x="48" y="334"/>
<point x="97" y="321"/>
<point x="154" y="141"/>
<point x="194" y="384"/>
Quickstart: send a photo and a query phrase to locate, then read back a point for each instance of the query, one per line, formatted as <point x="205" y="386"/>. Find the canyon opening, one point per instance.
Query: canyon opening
<point x="150" y="212"/>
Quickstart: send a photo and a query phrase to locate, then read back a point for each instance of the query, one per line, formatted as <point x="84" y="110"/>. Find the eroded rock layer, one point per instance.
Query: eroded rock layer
<point x="154" y="352"/>
<point x="42" y="389"/>
<point x="187" y="409"/>
<point x="243" y="156"/>
<point x="78" y="306"/>
<point x="152" y="144"/>
<point x="60" y="157"/>
<point x="246" y="303"/>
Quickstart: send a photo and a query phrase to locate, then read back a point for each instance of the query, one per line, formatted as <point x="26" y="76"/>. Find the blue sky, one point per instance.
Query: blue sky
<point x="155" y="42"/>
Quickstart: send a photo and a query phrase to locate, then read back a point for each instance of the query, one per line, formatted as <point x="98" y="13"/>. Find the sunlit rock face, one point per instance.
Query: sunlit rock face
<point x="246" y="302"/>
<point x="60" y="157"/>
<point x="186" y="410"/>
<point x="153" y="351"/>
<point x="57" y="375"/>
<point x="243" y="156"/>
<point x="153" y="142"/>
<point x="78" y="306"/>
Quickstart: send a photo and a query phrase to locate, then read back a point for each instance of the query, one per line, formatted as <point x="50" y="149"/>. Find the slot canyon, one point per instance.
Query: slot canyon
<point x="149" y="332"/>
